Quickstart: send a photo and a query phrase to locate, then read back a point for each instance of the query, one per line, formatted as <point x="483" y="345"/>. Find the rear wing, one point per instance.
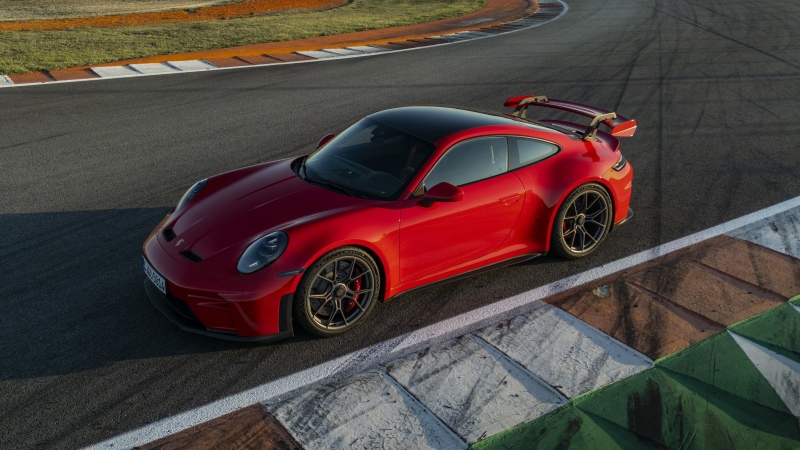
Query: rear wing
<point x="619" y="126"/>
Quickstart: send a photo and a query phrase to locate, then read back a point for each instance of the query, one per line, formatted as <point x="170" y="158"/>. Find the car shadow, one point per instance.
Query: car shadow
<point x="73" y="300"/>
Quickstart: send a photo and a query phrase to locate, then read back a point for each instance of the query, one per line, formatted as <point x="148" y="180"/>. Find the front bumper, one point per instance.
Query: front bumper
<point x="239" y="308"/>
<point x="627" y="218"/>
<point x="179" y="312"/>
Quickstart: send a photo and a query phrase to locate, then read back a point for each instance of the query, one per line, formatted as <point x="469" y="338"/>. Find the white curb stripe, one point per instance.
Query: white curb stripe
<point x="342" y="51"/>
<point x="782" y="235"/>
<point x="473" y="388"/>
<point x="796" y="307"/>
<point x="5" y="81"/>
<point x="475" y="34"/>
<point x="115" y="71"/>
<point x="192" y="65"/>
<point x="317" y="54"/>
<point x="368" y="49"/>
<point x="782" y="373"/>
<point x="367" y="410"/>
<point x="564" y="351"/>
<point x="432" y="334"/>
<point x="152" y="68"/>
<point x="455" y="37"/>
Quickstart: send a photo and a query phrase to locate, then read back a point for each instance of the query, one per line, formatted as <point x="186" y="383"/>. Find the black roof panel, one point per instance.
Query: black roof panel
<point x="431" y="123"/>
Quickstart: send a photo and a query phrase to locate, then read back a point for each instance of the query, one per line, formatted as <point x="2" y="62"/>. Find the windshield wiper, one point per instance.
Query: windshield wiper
<point x="326" y="184"/>
<point x="332" y="186"/>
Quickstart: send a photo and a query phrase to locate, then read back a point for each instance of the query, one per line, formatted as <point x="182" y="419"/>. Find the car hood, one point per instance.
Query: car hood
<point x="236" y="208"/>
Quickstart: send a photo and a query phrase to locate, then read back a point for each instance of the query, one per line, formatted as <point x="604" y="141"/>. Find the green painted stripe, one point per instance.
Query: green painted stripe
<point x="680" y="412"/>
<point x="567" y="427"/>
<point x="721" y="364"/>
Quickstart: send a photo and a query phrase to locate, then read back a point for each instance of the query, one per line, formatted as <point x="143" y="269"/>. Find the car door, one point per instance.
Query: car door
<point x="440" y="235"/>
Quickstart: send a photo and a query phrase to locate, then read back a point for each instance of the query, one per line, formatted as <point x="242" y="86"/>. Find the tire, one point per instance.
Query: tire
<point x="337" y="292"/>
<point x="582" y="222"/>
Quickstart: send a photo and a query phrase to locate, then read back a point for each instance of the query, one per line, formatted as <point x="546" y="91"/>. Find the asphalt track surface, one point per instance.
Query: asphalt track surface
<point x="89" y="168"/>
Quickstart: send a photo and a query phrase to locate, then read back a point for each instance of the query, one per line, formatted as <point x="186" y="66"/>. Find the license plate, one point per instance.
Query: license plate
<point x="157" y="279"/>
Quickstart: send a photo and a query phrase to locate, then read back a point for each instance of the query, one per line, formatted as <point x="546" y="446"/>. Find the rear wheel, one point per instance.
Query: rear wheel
<point x="337" y="292"/>
<point x="582" y="222"/>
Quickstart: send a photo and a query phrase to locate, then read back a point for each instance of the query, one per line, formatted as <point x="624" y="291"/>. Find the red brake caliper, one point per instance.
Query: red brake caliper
<point x="356" y="286"/>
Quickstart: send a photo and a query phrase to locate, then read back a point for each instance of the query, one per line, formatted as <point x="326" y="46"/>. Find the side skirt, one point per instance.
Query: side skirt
<point x="473" y="272"/>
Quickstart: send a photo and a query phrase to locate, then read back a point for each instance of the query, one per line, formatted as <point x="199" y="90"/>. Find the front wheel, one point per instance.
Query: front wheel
<point x="582" y="222"/>
<point x="337" y="292"/>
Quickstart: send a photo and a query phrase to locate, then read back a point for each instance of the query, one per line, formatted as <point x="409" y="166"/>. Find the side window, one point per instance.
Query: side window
<point x="470" y="161"/>
<point x="528" y="151"/>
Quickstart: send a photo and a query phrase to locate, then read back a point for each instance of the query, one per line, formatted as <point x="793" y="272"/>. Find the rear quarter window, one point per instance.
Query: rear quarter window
<point x="524" y="151"/>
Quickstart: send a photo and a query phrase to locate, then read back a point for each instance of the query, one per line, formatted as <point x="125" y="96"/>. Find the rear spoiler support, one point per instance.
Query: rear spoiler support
<point x="620" y="126"/>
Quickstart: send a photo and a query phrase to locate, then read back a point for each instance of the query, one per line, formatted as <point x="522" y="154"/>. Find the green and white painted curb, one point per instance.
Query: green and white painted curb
<point x="736" y="390"/>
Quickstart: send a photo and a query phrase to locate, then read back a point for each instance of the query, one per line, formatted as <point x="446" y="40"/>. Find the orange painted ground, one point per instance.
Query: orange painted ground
<point x="240" y="9"/>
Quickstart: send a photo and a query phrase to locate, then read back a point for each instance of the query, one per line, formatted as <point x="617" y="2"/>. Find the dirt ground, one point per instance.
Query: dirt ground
<point x="22" y="15"/>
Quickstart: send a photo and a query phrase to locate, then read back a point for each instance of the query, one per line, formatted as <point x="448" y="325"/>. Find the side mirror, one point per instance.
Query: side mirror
<point x="325" y="139"/>
<point x="444" y="192"/>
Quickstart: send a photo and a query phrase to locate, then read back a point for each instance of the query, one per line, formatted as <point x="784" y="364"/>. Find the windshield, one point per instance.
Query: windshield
<point x="369" y="160"/>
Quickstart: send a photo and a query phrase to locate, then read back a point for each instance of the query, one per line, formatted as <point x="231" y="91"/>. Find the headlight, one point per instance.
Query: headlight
<point x="262" y="252"/>
<point x="191" y="193"/>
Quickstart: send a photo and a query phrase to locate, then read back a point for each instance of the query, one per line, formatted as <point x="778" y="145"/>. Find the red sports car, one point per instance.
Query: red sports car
<point x="402" y="199"/>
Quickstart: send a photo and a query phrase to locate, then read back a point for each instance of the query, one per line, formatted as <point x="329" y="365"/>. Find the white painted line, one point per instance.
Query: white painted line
<point x="5" y="81"/>
<point x="153" y="68"/>
<point x="476" y="391"/>
<point x="367" y="410"/>
<point x="430" y="335"/>
<point x="317" y="54"/>
<point x="342" y="51"/>
<point x="781" y="235"/>
<point x="115" y="71"/>
<point x="192" y="65"/>
<point x="564" y="351"/>
<point x="796" y="307"/>
<point x="782" y="373"/>
<point x="368" y="49"/>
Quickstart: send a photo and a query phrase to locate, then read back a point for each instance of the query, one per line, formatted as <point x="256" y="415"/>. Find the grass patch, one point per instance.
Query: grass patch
<point x="28" y="51"/>
<point x="50" y="9"/>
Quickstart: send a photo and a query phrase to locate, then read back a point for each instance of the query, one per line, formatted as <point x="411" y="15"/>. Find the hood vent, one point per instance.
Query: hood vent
<point x="191" y="256"/>
<point x="169" y="234"/>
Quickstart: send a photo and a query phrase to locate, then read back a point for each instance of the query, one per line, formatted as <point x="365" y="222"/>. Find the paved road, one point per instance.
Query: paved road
<point x="89" y="168"/>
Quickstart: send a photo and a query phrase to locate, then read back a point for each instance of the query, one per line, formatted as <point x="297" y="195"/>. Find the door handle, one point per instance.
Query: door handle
<point x="510" y="199"/>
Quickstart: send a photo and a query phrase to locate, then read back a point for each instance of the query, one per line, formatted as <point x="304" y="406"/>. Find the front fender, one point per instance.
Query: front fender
<point x="375" y="229"/>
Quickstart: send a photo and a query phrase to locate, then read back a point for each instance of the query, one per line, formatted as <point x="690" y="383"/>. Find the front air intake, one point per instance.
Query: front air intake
<point x="191" y="256"/>
<point x="169" y="234"/>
